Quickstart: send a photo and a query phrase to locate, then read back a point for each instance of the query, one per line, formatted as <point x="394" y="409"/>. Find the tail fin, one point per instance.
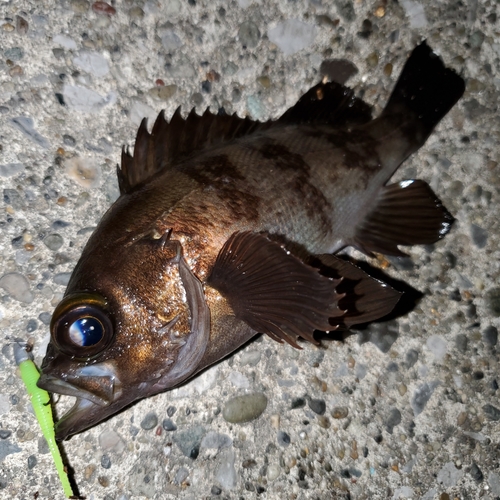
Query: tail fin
<point x="409" y="213"/>
<point x="425" y="88"/>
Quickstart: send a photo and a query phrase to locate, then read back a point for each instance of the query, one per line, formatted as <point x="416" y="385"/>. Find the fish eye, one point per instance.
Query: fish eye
<point x="86" y="331"/>
<point x="81" y="326"/>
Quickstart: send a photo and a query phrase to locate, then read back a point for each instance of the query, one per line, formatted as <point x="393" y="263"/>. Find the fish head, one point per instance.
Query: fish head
<point x="129" y="326"/>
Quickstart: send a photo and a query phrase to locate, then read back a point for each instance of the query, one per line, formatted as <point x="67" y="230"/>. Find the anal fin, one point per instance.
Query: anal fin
<point x="406" y="213"/>
<point x="365" y="299"/>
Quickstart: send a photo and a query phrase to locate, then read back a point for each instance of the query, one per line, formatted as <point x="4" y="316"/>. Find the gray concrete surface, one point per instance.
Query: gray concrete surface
<point x="411" y="408"/>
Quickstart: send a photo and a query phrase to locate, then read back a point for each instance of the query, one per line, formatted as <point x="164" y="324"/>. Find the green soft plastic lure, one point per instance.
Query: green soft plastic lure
<point x="40" y="401"/>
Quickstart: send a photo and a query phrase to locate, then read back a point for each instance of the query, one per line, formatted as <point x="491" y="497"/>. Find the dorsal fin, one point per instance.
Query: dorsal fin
<point x="172" y="142"/>
<point x="328" y="103"/>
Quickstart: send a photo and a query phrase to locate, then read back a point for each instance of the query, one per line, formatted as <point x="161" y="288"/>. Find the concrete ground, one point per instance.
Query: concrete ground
<point x="404" y="409"/>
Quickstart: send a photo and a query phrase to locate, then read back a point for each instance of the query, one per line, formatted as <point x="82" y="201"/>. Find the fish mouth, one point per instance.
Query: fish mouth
<point x="96" y="389"/>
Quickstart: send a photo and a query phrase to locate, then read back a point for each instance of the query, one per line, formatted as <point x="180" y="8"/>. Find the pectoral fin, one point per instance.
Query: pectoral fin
<point x="273" y="291"/>
<point x="406" y="213"/>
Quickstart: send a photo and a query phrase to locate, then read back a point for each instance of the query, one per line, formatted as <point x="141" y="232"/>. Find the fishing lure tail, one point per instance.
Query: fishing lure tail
<point x="40" y="400"/>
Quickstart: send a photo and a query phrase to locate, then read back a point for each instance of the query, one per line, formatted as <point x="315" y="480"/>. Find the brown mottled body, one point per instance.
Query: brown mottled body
<point x="225" y="228"/>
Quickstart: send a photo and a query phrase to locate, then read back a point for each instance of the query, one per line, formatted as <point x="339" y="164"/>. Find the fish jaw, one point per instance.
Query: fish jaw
<point x="100" y="389"/>
<point x="97" y="389"/>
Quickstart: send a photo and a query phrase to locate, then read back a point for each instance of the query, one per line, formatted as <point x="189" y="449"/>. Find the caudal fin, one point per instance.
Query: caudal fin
<point x="409" y="213"/>
<point x="426" y="88"/>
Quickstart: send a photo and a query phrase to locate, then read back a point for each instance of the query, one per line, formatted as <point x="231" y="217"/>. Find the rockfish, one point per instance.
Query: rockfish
<point x="226" y="228"/>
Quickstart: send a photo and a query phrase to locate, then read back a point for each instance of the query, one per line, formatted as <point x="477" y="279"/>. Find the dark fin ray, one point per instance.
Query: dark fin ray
<point x="406" y="213"/>
<point x="328" y="104"/>
<point x="365" y="298"/>
<point x="273" y="291"/>
<point x="426" y="90"/>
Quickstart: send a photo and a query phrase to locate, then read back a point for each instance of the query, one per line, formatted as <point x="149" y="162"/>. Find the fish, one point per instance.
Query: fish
<point x="226" y="228"/>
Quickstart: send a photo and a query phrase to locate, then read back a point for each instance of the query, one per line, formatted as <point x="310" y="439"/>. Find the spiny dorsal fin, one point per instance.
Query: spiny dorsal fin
<point x="172" y="142"/>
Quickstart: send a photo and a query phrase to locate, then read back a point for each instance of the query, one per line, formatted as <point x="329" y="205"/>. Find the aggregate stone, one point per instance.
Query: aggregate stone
<point x="422" y="395"/>
<point x="338" y="70"/>
<point x="491" y="412"/>
<point x="461" y="342"/>
<point x="92" y="62"/>
<point x="168" y="425"/>
<point x="393" y="419"/>
<point x="449" y="475"/>
<point x="32" y="461"/>
<point x="315" y="358"/>
<point x="111" y="441"/>
<point x="42" y="446"/>
<point x="14" y="54"/>
<point x="411" y="358"/>
<point x="317" y="405"/>
<point x="31" y="326"/>
<point x="11" y="169"/>
<point x="13" y="198"/>
<point x="150" y="421"/>
<point x="105" y="462"/>
<point x="62" y="278"/>
<point x="494" y="484"/>
<point x="340" y="412"/>
<point x="216" y="440"/>
<point x="476" y="472"/>
<point x="169" y="39"/>
<point x="189" y="441"/>
<point x="26" y="125"/>
<point x="17" y="286"/>
<point x="438" y="346"/>
<point x="226" y="474"/>
<point x="298" y="403"/>
<point x="492" y="301"/>
<point x="479" y="236"/>
<point x="249" y="34"/>
<point x="45" y="318"/>
<point x="7" y="448"/>
<point x="240" y="409"/>
<point x="346" y="10"/>
<point x="53" y="242"/>
<point x="250" y="358"/>
<point x="476" y="39"/>
<point x="215" y="490"/>
<point x="490" y="335"/>
<point x="181" y="475"/>
<point x="283" y="439"/>
<point x="86" y="100"/>
<point x="292" y="35"/>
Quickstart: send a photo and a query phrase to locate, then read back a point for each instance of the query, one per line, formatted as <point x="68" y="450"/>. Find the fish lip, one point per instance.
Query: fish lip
<point x="98" y="391"/>
<point x="58" y="386"/>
